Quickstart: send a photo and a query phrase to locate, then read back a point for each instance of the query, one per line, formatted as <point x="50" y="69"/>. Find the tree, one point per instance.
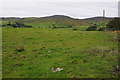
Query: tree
<point x="114" y="24"/>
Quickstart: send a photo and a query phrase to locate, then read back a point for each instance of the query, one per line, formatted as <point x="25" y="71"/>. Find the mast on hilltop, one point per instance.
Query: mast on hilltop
<point x="104" y="17"/>
<point x="103" y="13"/>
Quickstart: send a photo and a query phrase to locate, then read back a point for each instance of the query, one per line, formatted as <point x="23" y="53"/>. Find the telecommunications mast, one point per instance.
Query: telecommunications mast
<point x="104" y="17"/>
<point x="103" y="13"/>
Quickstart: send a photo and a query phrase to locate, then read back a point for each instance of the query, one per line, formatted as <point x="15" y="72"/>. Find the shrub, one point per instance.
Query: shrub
<point x="20" y="24"/>
<point x="114" y="24"/>
<point x="100" y="29"/>
<point x="92" y="28"/>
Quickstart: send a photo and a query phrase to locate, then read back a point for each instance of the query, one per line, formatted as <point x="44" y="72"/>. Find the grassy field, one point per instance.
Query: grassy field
<point x="34" y="52"/>
<point x="0" y="52"/>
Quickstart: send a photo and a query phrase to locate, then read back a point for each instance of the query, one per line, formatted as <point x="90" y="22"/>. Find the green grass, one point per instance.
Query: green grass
<point x="81" y="54"/>
<point x="0" y="52"/>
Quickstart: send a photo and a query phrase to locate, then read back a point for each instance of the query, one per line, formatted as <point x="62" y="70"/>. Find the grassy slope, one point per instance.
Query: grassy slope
<point x="80" y="54"/>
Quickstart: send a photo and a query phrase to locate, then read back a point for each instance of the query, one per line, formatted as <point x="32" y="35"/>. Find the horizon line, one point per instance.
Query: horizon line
<point x="54" y="15"/>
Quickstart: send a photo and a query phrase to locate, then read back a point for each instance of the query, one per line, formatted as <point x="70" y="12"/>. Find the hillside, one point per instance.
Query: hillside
<point x="57" y="21"/>
<point x="99" y="19"/>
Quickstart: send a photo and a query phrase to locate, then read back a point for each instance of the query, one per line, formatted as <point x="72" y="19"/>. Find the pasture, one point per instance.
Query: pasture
<point x="34" y="52"/>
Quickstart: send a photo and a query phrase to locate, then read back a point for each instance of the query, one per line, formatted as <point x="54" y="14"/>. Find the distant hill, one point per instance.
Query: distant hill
<point x="56" y="17"/>
<point x="57" y="20"/>
<point x="98" y="19"/>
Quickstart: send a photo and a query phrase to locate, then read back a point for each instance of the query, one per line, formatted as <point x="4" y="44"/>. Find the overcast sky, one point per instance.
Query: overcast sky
<point x="72" y="8"/>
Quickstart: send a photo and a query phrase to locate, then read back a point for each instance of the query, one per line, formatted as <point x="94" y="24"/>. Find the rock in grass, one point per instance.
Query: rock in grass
<point x="56" y="69"/>
<point x="49" y="51"/>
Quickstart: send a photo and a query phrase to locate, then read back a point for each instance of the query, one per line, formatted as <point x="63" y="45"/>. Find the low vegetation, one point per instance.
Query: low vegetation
<point x="59" y="53"/>
<point x="59" y="47"/>
<point x="114" y="24"/>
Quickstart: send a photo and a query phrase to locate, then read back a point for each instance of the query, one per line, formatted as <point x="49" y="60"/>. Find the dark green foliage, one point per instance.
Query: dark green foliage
<point x="96" y="26"/>
<point x="92" y="28"/>
<point x="101" y="29"/>
<point x="19" y="24"/>
<point x="9" y="24"/>
<point x="75" y="29"/>
<point x="69" y="26"/>
<point x="114" y="24"/>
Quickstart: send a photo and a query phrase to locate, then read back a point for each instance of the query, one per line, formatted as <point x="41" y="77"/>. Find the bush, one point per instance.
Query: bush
<point x="20" y="24"/>
<point x="92" y="28"/>
<point x="101" y="29"/>
<point x="114" y="24"/>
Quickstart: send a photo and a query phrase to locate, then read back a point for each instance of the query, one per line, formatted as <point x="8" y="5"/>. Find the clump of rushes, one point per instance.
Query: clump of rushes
<point x="20" y="48"/>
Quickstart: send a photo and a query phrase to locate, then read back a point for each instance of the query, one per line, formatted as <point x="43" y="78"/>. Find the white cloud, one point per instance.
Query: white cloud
<point x="73" y="9"/>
